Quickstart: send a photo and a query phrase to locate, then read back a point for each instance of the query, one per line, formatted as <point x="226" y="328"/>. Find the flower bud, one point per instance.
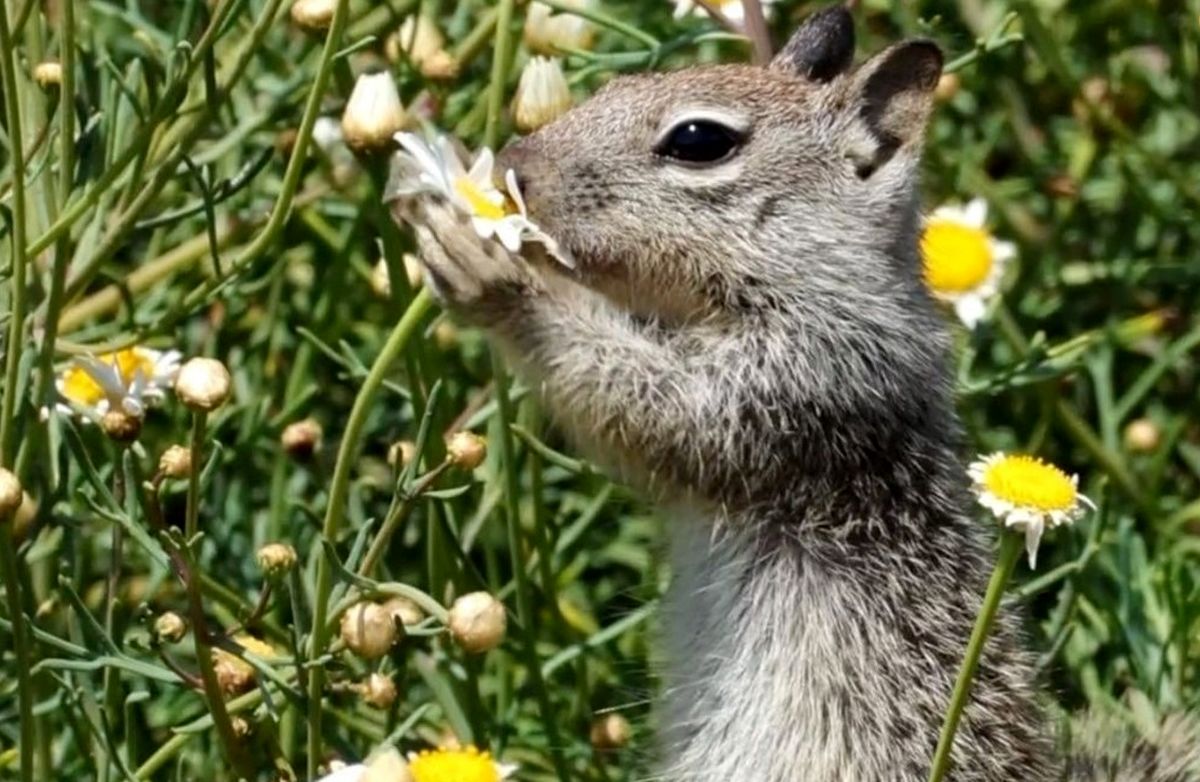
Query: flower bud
<point x="478" y="622"/>
<point x="401" y="453"/>
<point x="170" y="627"/>
<point x="440" y="66"/>
<point x="404" y="611"/>
<point x="546" y="32"/>
<point x="314" y="15"/>
<point x="381" y="281"/>
<point x="235" y="675"/>
<point x="242" y="728"/>
<point x="378" y="690"/>
<point x="48" y="74"/>
<point x="302" y="439"/>
<point x="1142" y="436"/>
<point x="542" y="94"/>
<point x="11" y="495"/>
<point x="445" y="335"/>
<point x="22" y="521"/>
<point x="610" y="732"/>
<point x="121" y="427"/>
<point x="276" y="559"/>
<point x="374" y="114"/>
<point x="203" y="384"/>
<point x="176" y="462"/>
<point x="418" y="39"/>
<point x="466" y="450"/>
<point x="369" y="630"/>
<point x="947" y="87"/>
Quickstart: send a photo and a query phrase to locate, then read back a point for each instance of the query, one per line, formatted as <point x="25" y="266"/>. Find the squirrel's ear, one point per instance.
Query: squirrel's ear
<point x="822" y="48"/>
<point x="895" y="98"/>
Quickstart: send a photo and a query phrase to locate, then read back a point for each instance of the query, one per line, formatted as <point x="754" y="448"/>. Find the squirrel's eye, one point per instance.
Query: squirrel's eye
<point x="699" y="141"/>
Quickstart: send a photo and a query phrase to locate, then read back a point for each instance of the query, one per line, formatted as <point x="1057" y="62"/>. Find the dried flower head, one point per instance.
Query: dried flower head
<point x="478" y="622"/>
<point x="170" y="627"/>
<point x="121" y="427"/>
<point x="378" y="690"/>
<point x="302" y="439"/>
<point x="369" y="630"/>
<point x="203" y="384"/>
<point x="234" y="674"/>
<point x="315" y="15"/>
<point x="610" y="732"/>
<point x="276" y="559"/>
<point x="48" y="74"/>
<point x="466" y="450"/>
<point x="547" y="32"/>
<point x="11" y="494"/>
<point x="542" y="94"/>
<point x="1027" y="494"/>
<point x="373" y="114"/>
<point x="176" y="462"/>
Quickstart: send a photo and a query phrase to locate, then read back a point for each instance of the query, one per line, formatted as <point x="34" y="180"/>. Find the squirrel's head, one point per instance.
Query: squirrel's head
<point x="712" y="182"/>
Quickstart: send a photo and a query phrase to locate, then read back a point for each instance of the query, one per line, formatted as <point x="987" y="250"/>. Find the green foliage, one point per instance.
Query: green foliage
<point x="171" y="196"/>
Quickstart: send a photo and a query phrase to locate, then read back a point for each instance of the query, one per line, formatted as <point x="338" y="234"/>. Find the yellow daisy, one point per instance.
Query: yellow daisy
<point x="1028" y="495"/>
<point x="457" y="765"/>
<point x="962" y="262"/>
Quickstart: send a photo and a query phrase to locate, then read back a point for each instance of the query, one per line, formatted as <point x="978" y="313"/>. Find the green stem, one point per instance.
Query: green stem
<point x="12" y="589"/>
<point x="16" y="330"/>
<point x="1010" y="550"/>
<point x="335" y="509"/>
<point x="192" y="520"/>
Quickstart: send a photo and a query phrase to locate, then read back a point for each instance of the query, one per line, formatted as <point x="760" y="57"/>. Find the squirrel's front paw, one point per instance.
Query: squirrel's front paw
<point x="477" y="277"/>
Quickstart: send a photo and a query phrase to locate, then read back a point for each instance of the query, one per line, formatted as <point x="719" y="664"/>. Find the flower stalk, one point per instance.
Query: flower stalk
<point x="1010" y="551"/>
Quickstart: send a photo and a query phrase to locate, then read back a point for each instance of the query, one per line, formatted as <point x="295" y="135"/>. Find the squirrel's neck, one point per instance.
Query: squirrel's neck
<point x="795" y="657"/>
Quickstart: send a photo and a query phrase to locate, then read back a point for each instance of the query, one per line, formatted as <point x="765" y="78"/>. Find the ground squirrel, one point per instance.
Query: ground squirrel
<point x="746" y="337"/>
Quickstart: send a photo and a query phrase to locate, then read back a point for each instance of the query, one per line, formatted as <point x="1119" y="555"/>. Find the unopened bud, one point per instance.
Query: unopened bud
<point x="276" y="559"/>
<point x="170" y="627"/>
<point x="176" y="462"/>
<point x="378" y="690"/>
<point x="314" y="15"/>
<point x="302" y="439"/>
<point x="22" y="521"/>
<point x="48" y="74"/>
<point x="381" y="281"/>
<point x="235" y="675"/>
<point x="401" y="453"/>
<point x="405" y="611"/>
<point x="369" y="630"/>
<point x="466" y="450"/>
<point x="418" y="39"/>
<point x="242" y="728"/>
<point x="542" y="94"/>
<point x="947" y="87"/>
<point x="1142" y="436"/>
<point x="11" y="495"/>
<point x="445" y="335"/>
<point x="610" y="732"/>
<point x="121" y="427"/>
<point x="374" y="114"/>
<point x="440" y="66"/>
<point x="477" y="622"/>
<point x="203" y="384"/>
<point x="546" y="32"/>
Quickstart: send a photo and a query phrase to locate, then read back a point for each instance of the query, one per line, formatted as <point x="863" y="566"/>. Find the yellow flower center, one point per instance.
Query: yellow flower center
<point x="454" y="765"/>
<point x="1030" y="482"/>
<point x="475" y="196"/>
<point x="80" y="387"/>
<point x="956" y="257"/>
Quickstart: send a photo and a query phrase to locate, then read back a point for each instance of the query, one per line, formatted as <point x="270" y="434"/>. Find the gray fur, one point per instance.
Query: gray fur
<point x="751" y="344"/>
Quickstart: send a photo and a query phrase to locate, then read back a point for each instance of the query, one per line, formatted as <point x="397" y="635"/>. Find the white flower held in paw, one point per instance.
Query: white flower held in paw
<point x="1028" y="495"/>
<point x="962" y="261"/>
<point x="542" y="94"/>
<point x="385" y="766"/>
<point x="126" y="381"/>
<point x="733" y="10"/>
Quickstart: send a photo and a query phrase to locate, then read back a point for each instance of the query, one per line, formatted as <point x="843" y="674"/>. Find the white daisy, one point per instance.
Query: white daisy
<point x="733" y="10"/>
<point x="436" y="168"/>
<point x="1028" y="495"/>
<point x="962" y="262"/>
<point x="128" y="380"/>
